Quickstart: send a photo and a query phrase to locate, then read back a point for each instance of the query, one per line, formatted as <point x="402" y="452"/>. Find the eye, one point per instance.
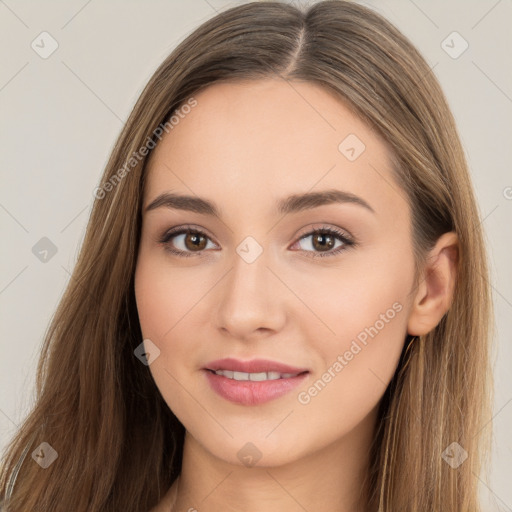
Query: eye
<point x="191" y="240"/>
<point x="324" y="239"/>
<point x="195" y="241"/>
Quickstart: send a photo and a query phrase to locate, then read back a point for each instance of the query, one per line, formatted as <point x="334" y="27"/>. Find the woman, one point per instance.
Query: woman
<point x="281" y="296"/>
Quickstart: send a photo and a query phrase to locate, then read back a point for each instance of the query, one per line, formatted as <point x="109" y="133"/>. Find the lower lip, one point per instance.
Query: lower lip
<point x="248" y="392"/>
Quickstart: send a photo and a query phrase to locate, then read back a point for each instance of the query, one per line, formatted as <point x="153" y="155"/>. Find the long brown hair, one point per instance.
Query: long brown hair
<point x="119" y="446"/>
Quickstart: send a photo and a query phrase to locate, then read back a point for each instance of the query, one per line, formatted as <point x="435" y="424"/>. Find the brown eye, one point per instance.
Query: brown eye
<point x="194" y="241"/>
<point x="323" y="242"/>
<point x="185" y="241"/>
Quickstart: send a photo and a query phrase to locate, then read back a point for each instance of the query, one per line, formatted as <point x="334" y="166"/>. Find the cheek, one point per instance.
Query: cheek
<point x="165" y="294"/>
<point x="365" y="309"/>
<point x="167" y="303"/>
<point x="151" y="304"/>
<point x="365" y="296"/>
<point x="356" y="368"/>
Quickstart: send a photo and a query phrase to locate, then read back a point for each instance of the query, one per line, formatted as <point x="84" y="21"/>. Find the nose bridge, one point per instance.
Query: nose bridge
<point x="248" y="300"/>
<point x="250" y="275"/>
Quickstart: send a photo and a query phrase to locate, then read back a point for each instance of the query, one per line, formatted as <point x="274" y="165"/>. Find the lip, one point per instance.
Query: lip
<point x="253" y="366"/>
<point x="246" y="392"/>
<point x="252" y="392"/>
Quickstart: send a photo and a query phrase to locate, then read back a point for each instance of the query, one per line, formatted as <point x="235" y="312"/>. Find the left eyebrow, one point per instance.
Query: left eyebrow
<point x="300" y="202"/>
<point x="291" y="204"/>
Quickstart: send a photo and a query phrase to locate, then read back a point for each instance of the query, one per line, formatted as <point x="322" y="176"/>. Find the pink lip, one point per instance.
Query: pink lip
<point x="253" y="366"/>
<point x="252" y="392"/>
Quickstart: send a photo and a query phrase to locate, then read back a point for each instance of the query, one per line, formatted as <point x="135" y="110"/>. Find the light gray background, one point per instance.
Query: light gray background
<point x="61" y="115"/>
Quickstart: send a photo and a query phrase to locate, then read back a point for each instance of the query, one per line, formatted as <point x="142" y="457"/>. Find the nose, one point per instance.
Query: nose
<point x="251" y="300"/>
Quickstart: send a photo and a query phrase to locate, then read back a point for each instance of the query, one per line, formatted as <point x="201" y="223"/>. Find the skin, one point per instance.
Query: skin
<point x="266" y="140"/>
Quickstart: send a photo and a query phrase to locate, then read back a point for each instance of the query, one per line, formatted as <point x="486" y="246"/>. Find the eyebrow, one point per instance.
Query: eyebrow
<point x="291" y="204"/>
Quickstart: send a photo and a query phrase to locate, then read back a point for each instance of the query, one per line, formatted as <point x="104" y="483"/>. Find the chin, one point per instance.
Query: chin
<point x="260" y="453"/>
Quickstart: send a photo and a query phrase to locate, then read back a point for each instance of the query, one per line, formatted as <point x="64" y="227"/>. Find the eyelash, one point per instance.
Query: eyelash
<point x="347" y="242"/>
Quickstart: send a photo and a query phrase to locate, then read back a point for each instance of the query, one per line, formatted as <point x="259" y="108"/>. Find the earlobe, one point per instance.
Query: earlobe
<point x="435" y="292"/>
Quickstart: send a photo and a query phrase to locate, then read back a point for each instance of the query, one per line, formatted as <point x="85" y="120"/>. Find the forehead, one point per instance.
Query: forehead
<point x="253" y="142"/>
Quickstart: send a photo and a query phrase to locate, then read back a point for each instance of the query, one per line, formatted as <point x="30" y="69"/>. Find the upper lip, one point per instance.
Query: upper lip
<point x="252" y="366"/>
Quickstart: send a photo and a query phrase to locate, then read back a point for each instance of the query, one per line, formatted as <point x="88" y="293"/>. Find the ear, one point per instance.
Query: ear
<point x="435" y="292"/>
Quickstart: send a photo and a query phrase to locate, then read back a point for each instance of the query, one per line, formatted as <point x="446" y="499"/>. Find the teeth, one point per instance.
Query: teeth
<point x="256" y="377"/>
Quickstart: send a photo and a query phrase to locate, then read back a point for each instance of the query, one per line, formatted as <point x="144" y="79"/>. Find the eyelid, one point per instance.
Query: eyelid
<point x="185" y="228"/>
<point x="324" y="226"/>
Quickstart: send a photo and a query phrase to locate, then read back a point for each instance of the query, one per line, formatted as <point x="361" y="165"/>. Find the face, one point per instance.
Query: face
<point x="321" y="284"/>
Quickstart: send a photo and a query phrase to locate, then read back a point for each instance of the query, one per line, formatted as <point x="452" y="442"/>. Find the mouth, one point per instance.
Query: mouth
<point x="255" y="377"/>
<point x="253" y="382"/>
<point x="253" y="369"/>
